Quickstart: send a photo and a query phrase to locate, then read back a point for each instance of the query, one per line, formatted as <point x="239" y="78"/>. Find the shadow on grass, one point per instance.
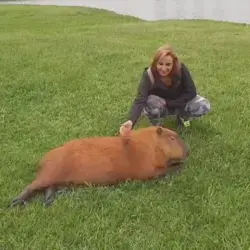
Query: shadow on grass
<point x="77" y="193"/>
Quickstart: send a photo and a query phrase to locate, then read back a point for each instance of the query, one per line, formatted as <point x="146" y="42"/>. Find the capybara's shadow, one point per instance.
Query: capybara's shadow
<point x="71" y="189"/>
<point x="173" y="172"/>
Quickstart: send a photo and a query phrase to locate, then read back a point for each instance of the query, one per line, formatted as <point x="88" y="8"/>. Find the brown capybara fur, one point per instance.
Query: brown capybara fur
<point x="140" y="154"/>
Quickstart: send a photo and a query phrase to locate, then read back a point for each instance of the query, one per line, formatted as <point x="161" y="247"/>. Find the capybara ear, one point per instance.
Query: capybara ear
<point x="159" y="130"/>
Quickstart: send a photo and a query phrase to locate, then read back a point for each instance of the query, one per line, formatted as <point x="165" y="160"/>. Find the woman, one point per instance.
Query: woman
<point x="167" y="88"/>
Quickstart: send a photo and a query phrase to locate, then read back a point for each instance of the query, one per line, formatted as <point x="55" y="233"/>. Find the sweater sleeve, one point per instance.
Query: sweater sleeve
<point x="189" y="92"/>
<point x="141" y="98"/>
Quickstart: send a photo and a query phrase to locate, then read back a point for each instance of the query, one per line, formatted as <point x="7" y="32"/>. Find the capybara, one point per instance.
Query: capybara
<point x="142" y="154"/>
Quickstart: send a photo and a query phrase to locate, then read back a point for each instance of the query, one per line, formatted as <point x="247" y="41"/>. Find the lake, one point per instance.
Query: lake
<point x="220" y="10"/>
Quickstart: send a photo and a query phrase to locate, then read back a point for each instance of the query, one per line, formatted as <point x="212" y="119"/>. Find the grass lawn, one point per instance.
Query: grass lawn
<point x="73" y="72"/>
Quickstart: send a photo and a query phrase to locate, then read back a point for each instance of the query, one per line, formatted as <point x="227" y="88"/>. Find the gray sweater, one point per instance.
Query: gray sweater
<point x="182" y="90"/>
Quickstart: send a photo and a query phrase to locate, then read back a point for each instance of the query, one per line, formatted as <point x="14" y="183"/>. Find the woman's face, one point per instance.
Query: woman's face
<point x="164" y="65"/>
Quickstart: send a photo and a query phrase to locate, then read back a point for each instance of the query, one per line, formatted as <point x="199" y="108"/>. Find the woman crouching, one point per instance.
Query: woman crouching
<point x="167" y="88"/>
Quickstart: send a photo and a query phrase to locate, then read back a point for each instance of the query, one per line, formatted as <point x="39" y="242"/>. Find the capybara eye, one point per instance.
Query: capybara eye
<point x="172" y="138"/>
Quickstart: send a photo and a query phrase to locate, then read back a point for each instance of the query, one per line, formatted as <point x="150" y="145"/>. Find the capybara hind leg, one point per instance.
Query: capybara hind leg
<point x="29" y="192"/>
<point x="23" y="198"/>
<point x="50" y="196"/>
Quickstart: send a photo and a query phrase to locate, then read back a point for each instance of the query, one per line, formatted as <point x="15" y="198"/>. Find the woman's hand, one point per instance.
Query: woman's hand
<point x="125" y="127"/>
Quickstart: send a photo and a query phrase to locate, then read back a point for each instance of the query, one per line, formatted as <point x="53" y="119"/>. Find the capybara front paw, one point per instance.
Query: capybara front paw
<point x="48" y="202"/>
<point x="49" y="196"/>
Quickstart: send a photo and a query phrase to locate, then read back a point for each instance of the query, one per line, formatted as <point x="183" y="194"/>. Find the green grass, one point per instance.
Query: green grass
<point x="73" y="72"/>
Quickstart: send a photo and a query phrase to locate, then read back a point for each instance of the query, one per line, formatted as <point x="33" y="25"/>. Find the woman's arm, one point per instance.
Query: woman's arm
<point x="141" y="98"/>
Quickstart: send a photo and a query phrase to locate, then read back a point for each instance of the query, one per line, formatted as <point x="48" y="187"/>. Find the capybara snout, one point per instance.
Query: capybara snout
<point x="140" y="154"/>
<point x="178" y="149"/>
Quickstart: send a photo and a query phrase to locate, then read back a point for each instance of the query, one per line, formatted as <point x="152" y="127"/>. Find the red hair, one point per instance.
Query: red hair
<point x="164" y="51"/>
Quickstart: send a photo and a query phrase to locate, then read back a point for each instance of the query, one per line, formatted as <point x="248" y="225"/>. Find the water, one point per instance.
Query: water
<point x="220" y="10"/>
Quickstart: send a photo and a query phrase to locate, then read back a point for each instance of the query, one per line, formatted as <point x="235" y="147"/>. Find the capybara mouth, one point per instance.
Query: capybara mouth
<point x="173" y="163"/>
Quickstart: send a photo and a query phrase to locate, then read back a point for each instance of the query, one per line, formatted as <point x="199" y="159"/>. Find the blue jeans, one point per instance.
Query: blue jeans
<point x="156" y="109"/>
